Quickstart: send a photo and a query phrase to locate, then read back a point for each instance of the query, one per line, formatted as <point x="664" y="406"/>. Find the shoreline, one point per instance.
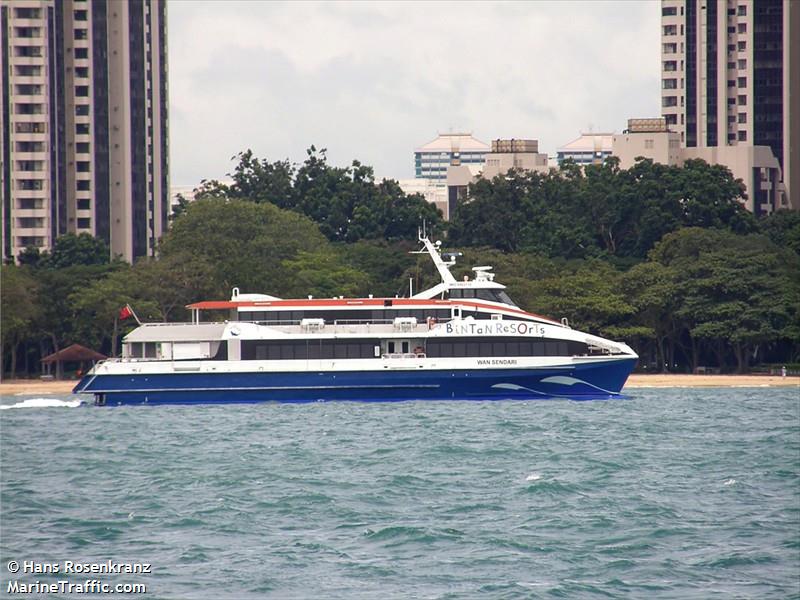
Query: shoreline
<point x="17" y="387"/>
<point x="638" y="380"/>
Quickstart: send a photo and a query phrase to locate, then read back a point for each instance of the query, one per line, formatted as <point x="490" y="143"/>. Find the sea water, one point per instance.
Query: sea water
<point x="671" y="493"/>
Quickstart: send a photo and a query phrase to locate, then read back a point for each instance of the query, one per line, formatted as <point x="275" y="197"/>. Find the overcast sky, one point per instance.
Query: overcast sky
<point x="374" y="80"/>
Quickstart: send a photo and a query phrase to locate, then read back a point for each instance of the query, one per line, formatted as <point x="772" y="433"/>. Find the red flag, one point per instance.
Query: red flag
<point x="125" y="312"/>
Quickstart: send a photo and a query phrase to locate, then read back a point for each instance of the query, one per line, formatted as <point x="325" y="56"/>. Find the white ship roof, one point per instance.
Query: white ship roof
<point x="176" y="332"/>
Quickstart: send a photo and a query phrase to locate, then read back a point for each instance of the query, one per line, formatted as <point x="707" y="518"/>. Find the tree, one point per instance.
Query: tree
<point x="243" y="244"/>
<point x="347" y="203"/>
<point x="650" y="287"/>
<point x="83" y="249"/>
<point x="494" y="214"/>
<point x="590" y="296"/>
<point x="213" y="190"/>
<point x="180" y="207"/>
<point x="263" y="181"/>
<point x="384" y="263"/>
<point x="783" y="228"/>
<point x="601" y="210"/>
<point x="322" y="273"/>
<point x="710" y="197"/>
<point x="30" y="256"/>
<point x="172" y="282"/>
<point x="97" y="306"/>
<point x="737" y="292"/>
<point x="19" y="311"/>
<point x="61" y="322"/>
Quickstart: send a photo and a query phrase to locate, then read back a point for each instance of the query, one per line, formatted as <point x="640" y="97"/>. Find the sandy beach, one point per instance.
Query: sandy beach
<point x="15" y="387"/>
<point x="671" y="380"/>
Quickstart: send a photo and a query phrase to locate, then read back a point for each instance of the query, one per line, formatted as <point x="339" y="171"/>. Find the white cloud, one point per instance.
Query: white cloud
<point x="372" y="81"/>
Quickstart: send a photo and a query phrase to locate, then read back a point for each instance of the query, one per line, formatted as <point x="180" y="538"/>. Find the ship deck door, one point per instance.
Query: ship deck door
<point x="398" y="346"/>
<point x="406" y="348"/>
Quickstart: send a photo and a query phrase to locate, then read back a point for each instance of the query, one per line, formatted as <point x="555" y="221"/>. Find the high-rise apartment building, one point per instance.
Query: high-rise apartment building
<point x="727" y="75"/>
<point x="84" y="123"/>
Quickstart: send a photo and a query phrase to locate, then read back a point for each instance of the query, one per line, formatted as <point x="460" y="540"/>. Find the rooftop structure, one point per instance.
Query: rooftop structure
<point x="589" y="148"/>
<point x="647" y="125"/>
<point x="522" y="155"/>
<point x="432" y="159"/>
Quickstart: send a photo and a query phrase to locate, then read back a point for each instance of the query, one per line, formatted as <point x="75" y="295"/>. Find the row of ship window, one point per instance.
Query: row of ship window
<point x="464" y="347"/>
<point x="440" y="314"/>
<point x="503" y="347"/>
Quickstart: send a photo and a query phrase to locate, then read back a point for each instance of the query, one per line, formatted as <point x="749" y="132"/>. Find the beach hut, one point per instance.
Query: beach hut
<point x="71" y="354"/>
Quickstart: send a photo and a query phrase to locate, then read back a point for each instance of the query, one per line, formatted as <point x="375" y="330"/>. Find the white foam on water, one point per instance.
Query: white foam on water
<point x="729" y="482"/>
<point x="533" y="477"/>
<point x="44" y="403"/>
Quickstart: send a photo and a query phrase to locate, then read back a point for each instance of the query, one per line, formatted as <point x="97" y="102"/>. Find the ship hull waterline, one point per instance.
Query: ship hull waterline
<point x="576" y="382"/>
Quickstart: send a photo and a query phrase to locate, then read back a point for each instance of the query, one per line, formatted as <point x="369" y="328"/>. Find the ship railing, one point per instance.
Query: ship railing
<point x="395" y="355"/>
<point x="180" y="323"/>
<point x="348" y="325"/>
<point x="289" y="323"/>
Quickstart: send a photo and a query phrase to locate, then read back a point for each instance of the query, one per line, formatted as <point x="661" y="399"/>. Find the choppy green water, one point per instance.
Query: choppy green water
<point x="670" y="494"/>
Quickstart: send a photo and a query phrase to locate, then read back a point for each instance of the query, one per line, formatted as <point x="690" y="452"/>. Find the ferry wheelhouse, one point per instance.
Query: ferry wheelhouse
<point x="459" y="340"/>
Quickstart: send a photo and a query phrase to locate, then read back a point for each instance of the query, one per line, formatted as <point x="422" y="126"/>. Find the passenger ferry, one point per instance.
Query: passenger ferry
<point x="459" y="340"/>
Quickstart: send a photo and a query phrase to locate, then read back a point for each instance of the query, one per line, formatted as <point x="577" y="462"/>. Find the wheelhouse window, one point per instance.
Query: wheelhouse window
<point x="492" y="295"/>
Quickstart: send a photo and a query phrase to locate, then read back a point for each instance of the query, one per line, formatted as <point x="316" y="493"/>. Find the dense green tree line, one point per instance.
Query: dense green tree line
<point x="347" y="204"/>
<point x="601" y="210"/>
<point x="664" y="258"/>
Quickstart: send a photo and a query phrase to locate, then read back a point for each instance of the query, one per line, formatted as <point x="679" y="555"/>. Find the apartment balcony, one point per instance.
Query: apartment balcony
<point x="29" y="79"/>
<point x="28" y="61"/>
<point x="30" y="193"/>
<point x="31" y="213"/>
<point x="29" y="22"/>
<point x="30" y="99"/>
<point x="43" y="231"/>
<point x="37" y="118"/>
<point x="30" y="137"/>
<point x="42" y="155"/>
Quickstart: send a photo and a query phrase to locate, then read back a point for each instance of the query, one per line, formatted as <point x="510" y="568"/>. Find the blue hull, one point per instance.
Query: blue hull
<point x="578" y="382"/>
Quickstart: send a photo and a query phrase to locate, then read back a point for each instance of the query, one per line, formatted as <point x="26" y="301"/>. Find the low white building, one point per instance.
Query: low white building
<point x="434" y="191"/>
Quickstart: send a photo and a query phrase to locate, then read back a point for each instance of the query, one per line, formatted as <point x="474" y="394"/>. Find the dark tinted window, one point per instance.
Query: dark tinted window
<point x="307" y="349"/>
<point x="487" y="347"/>
<point x="366" y="315"/>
